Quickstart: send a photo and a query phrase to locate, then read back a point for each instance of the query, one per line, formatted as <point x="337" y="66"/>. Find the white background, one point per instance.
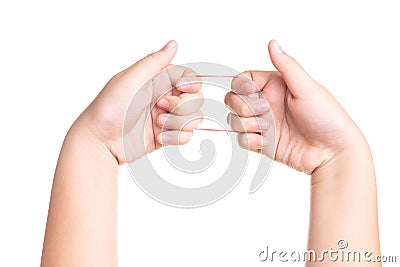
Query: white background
<point x="55" y="57"/>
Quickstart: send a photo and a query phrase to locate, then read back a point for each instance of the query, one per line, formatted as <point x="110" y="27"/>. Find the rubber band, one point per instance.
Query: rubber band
<point x="216" y="76"/>
<point x="216" y="130"/>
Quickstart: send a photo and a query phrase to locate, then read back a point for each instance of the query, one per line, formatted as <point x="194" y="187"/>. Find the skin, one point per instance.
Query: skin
<point x="82" y="221"/>
<point x="313" y="134"/>
<point x="316" y="136"/>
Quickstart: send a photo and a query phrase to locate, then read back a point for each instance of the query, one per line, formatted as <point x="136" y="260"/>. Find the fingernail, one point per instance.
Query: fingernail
<point x="163" y="103"/>
<point x="169" y="46"/>
<point x="164" y="120"/>
<point x="277" y="47"/>
<point x="164" y="138"/>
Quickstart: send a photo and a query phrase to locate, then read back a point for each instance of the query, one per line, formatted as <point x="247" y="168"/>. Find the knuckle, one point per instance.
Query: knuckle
<point x="184" y="138"/>
<point x="175" y="106"/>
<point x="242" y="141"/>
<point x="149" y="57"/>
<point x="200" y="99"/>
<point x="228" y="98"/>
<point x="242" y="125"/>
<point x="228" y="118"/>
<point x="188" y="72"/>
<point x="200" y="117"/>
<point x="243" y="109"/>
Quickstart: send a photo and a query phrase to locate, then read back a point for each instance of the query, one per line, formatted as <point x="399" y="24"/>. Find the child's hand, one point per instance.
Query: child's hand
<point x="105" y="117"/>
<point x="311" y="127"/>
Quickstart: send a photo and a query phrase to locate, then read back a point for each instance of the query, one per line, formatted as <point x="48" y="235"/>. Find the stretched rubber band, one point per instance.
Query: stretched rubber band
<point x="216" y="76"/>
<point x="216" y="130"/>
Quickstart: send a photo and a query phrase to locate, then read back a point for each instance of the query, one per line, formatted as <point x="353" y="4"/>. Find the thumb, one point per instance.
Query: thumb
<point x="120" y="90"/>
<point x="146" y="68"/>
<point x="297" y="80"/>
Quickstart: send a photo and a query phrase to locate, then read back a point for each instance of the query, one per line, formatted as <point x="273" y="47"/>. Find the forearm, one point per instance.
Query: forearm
<point x="344" y="206"/>
<point x="82" y="222"/>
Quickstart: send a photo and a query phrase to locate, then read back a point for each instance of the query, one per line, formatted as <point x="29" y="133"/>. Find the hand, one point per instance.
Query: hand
<point x="157" y="108"/>
<point x="311" y="127"/>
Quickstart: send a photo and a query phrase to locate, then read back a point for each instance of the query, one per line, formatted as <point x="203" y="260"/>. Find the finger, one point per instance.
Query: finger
<point x="184" y="79"/>
<point x="243" y="85"/>
<point x="175" y="122"/>
<point x="134" y="76"/>
<point x="245" y="106"/>
<point x="250" y="125"/>
<point x="174" y="137"/>
<point x="183" y="104"/>
<point x="298" y="81"/>
<point x="259" y="80"/>
<point x="251" y="141"/>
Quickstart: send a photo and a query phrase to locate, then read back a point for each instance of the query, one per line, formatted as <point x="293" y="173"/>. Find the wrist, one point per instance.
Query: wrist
<point x="352" y="159"/>
<point x="81" y="137"/>
<point x="344" y="200"/>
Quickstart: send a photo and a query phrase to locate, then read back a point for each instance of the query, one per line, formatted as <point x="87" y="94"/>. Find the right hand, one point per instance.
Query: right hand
<point x="311" y="128"/>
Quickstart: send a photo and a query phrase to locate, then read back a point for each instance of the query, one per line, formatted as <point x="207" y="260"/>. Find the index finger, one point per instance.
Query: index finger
<point x="184" y="79"/>
<point x="250" y="82"/>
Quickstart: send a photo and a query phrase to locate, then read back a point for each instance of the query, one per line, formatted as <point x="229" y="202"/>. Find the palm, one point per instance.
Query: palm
<point x="141" y="125"/>
<point x="110" y="119"/>
<point x="310" y="126"/>
<point x="129" y="122"/>
<point x="305" y="129"/>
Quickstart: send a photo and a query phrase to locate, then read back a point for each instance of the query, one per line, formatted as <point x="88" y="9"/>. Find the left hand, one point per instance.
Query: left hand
<point x="105" y="116"/>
